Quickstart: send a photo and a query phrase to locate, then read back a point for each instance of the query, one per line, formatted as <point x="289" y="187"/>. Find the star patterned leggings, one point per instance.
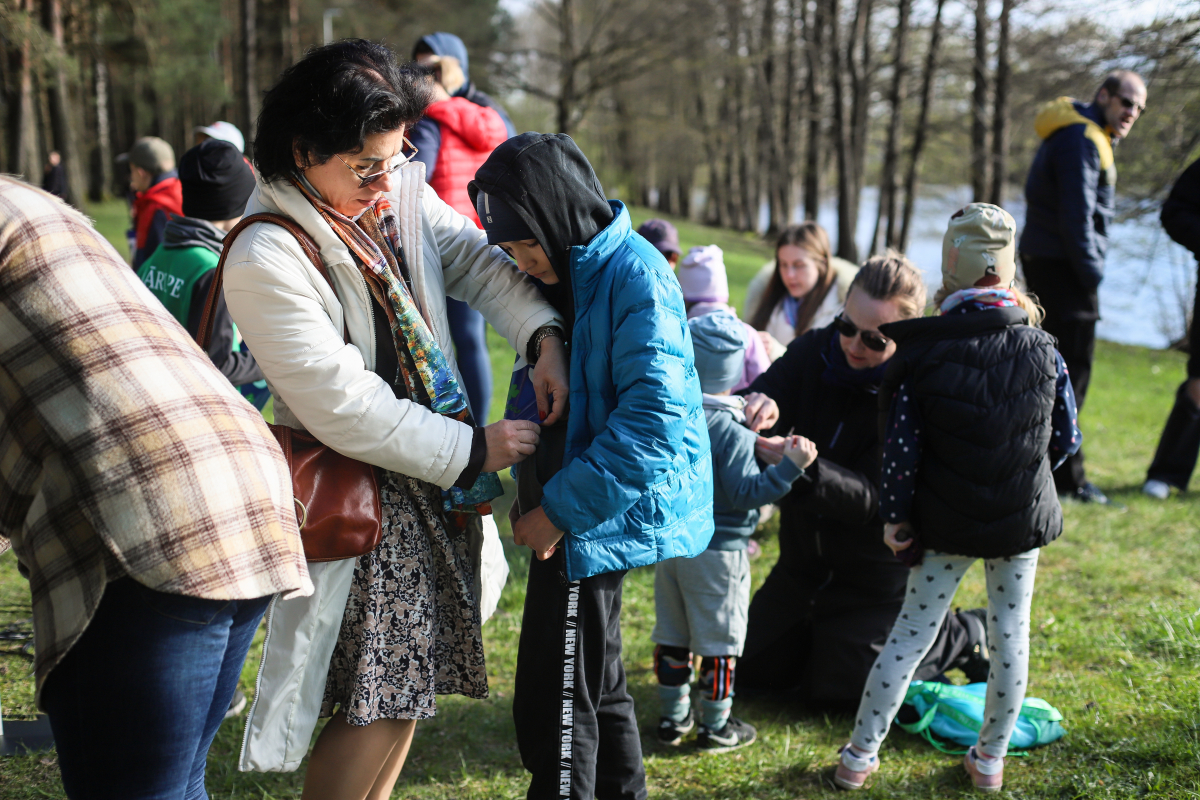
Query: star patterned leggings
<point x="931" y="588"/>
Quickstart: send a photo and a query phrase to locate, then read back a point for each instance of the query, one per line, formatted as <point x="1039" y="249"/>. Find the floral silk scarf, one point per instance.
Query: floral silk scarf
<point x="426" y="373"/>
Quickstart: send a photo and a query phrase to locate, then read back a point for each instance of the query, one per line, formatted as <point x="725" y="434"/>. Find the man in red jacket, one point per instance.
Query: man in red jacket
<point x="159" y="194"/>
<point x="459" y="131"/>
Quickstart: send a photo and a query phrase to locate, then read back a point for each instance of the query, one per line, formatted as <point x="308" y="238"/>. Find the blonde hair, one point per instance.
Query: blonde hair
<point x="892" y="276"/>
<point x="1026" y="302"/>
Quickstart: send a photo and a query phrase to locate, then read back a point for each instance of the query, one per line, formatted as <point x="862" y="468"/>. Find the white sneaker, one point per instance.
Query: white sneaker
<point x="1156" y="489"/>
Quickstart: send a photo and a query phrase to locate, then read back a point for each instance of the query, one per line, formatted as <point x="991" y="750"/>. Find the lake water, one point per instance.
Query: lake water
<point x="1149" y="280"/>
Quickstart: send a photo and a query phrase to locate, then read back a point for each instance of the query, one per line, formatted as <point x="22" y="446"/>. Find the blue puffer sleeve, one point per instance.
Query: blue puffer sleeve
<point x="651" y="354"/>
<point x="1077" y="176"/>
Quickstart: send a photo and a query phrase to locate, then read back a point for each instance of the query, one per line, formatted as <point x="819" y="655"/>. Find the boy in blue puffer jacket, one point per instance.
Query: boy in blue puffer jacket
<point x="626" y="482"/>
<point x="701" y="604"/>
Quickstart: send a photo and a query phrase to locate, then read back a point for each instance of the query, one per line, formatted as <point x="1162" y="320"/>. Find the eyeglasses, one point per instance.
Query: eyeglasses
<point x="366" y="180"/>
<point x="870" y="339"/>
<point x="1130" y="104"/>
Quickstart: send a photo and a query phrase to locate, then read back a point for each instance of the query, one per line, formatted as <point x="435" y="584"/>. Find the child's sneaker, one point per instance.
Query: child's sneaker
<point x="852" y="771"/>
<point x="671" y="733"/>
<point x="988" y="774"/>
<point x="735" y="734"/>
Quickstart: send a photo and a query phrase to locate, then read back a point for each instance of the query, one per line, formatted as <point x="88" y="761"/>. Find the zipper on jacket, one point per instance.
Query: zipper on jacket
<point x="817" y="539"/>
<point x="370" y="313"/>
<point x="257" y="681"/>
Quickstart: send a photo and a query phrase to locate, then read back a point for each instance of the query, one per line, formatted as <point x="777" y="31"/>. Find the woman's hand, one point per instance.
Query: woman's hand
<point x="769" y="449"/>
<point x="761" y="412"/>
<point x="898" y="536"/>
<point x="550" y="382"/>
<point x="802" y="452"/>
<point x="509" y="441"/>
<point x="535" y="530"/>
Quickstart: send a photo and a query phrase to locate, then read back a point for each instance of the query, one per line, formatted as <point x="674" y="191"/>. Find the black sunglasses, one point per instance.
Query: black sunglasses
<point x="871" y="340"/>
<point x="1129" y="104"/>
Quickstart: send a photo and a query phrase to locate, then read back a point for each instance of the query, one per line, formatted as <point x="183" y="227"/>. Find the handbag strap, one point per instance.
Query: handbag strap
<point x="310" y="248"/>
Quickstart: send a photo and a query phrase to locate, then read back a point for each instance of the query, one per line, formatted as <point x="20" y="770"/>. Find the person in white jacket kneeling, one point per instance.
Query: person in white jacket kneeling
<point x="386" y="632"/>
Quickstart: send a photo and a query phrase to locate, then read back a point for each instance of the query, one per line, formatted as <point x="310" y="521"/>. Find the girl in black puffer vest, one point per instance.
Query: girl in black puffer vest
<point x="976" y="410"/>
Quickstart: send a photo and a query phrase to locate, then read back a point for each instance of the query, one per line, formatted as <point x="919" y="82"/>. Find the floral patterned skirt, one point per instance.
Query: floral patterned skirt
<point x="411" y="628"/>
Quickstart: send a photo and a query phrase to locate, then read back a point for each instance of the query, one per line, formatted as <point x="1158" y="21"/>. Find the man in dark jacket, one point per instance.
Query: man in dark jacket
<point x="1070" y="193"/>
<point x="1175" y="458"/>
<point x="447" y="54"/>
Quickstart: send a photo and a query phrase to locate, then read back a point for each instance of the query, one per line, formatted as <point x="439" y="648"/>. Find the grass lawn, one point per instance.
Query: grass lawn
<point x="1116" y="647"/>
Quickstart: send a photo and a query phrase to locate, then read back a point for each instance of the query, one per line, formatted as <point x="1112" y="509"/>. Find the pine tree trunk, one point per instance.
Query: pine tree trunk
<point x="814" y="35"/>
<point x="292" y="43"/>
<point x="566" y="54"/>
<point x="1000" y="126"/>
<point x="979" y="102"/>
<point x="62" y="118"/>
<point x="860" y="120"/>
<point x="919" y="135"/>
<point x="250" y="74"/>
<point x="891" y="150"/>
<point x="23" y="155"/>
<point x="847" y="216"/>
<point x="102" y="157"/>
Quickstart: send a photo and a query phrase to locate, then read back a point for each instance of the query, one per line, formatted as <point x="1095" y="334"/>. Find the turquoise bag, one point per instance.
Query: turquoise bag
<point x="952" y="715"/>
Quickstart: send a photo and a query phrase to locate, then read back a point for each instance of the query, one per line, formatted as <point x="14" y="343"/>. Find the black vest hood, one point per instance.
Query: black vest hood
<point x="548" y="181"/>
<point x="985" y="386"/>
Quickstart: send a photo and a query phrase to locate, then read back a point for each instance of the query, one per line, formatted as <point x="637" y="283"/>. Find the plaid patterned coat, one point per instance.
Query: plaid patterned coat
<point x="123" y="451"/>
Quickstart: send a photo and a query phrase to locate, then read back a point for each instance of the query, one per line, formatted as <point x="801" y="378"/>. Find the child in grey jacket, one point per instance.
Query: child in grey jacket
<point x="701" y="604"/>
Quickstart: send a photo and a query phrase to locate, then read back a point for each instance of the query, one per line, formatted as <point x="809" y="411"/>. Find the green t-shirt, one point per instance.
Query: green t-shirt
<point x="171" y="274"/>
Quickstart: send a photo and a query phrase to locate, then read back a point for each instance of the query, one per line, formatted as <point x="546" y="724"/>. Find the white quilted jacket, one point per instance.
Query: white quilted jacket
<point x="292" y="322"/>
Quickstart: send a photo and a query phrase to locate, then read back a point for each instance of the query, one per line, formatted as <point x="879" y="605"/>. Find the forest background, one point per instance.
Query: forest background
<point x="741" y="113"/>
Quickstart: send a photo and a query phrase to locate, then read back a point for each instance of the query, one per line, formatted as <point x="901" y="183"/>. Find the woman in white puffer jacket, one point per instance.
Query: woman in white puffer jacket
<point x="385" y="632"/>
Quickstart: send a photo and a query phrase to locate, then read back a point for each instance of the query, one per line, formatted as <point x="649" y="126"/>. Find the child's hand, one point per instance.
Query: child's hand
<point x="802" y="452"/>
<point x="537" y="531"/>
<point x="898" y="536"/>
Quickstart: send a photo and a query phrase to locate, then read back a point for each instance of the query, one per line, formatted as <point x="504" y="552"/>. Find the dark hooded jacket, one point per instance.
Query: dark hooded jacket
<point x="426" y="136"/>
<point x="635" y="486"/>
<point x="1069" y="192"/>
<point x="1181" y="212"/>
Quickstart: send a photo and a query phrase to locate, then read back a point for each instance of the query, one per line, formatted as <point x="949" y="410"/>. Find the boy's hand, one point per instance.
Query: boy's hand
<point x="769" y="449"/>
<point x="535" y="530"/>
<point x="550" y="382"/>
<point x="898" y="536"/>
<point x="802" y="452"/>
<point x="761" y="412"/>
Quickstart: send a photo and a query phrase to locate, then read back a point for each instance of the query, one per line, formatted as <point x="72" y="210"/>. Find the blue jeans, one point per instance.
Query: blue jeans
<point x="469" y="332"/>
<point x="137" y="700"/>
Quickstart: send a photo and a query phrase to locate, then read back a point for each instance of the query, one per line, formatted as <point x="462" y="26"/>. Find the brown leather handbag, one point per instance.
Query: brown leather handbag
<point x="337" y="497"/>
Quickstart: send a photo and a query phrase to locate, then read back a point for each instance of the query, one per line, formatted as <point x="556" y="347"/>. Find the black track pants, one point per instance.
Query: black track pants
<point x="576" y="728"/>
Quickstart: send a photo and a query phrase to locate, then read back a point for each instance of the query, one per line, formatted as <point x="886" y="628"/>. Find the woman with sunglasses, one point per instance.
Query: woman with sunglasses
<point x="829" y="601"/>
<point x="362" y="361"/>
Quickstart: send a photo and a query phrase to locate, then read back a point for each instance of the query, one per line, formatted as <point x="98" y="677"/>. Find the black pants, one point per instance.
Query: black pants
<point x="825" y="662"/>
<point x="1179" y="446"/>
<point x="575" y="721"/>
<point x="1071" y="315"/>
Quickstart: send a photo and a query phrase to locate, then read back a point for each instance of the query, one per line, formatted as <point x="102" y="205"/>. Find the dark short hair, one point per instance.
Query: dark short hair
<point x="1113" y="80"/>
<point x="330" y="101"/>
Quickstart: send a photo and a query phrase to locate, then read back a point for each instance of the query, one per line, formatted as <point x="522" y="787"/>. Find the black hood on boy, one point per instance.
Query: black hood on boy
<point x="546" y="179"/>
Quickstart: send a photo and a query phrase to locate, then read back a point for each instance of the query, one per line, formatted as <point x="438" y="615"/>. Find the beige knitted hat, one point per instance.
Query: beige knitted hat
<point x="979" y="248"/>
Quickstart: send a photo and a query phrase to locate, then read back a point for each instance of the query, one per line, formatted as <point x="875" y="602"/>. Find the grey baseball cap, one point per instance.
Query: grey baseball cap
<point x="151" y="154"/>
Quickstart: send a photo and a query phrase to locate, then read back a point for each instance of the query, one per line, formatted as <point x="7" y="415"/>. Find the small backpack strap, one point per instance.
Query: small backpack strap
<point x="310" y="248"/>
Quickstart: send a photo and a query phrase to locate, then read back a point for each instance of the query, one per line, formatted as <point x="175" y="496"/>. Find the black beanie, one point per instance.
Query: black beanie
<point x="500" y="221"/>
<point x="217" y="181"/>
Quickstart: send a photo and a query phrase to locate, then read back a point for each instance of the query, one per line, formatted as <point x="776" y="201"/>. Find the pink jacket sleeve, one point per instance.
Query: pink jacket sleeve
<point x="757" y="359"/>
